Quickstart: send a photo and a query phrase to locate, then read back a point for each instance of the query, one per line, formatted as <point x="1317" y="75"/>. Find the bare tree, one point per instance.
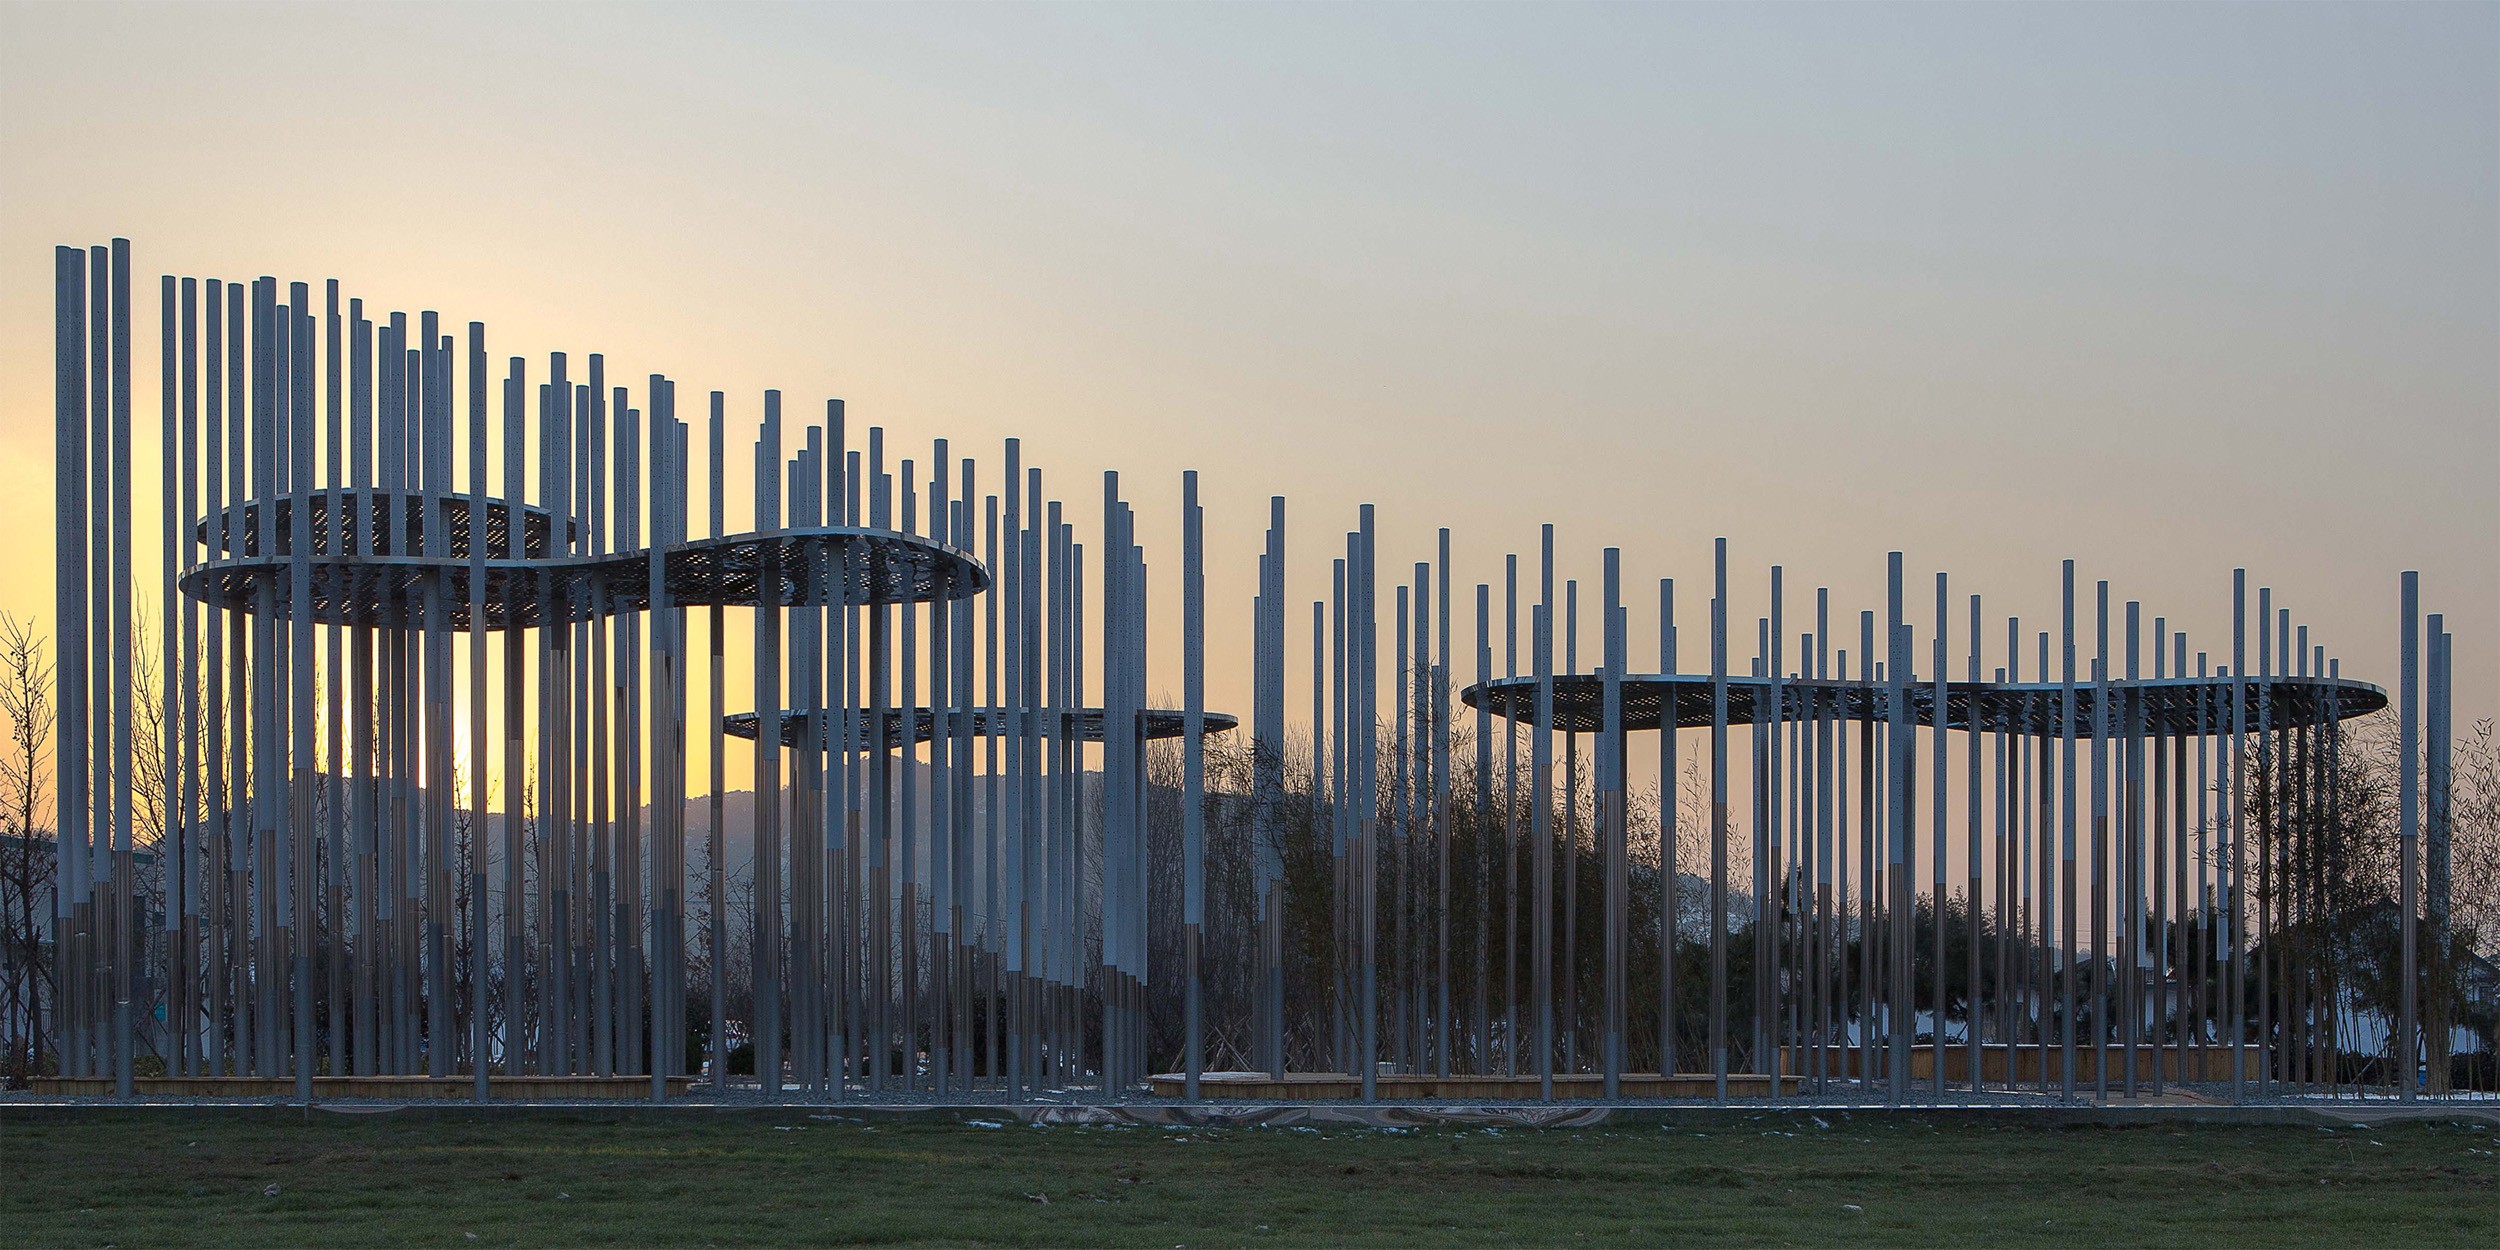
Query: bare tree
<point x="2474" y="838"/>
<point x="2470" y="931"/>
<point x="26" y="854"/>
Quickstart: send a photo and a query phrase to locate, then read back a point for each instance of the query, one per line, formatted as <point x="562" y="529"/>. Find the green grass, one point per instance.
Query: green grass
<point x="135" y="1179"/>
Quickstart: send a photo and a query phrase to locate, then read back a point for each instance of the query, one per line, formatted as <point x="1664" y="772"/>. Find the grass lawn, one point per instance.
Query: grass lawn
<point x="136" y="1179"/>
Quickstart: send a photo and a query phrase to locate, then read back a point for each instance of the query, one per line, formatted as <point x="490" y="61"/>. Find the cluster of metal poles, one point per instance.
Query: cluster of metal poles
<point x="2124" y="836"/>
<point x="333" y="885"/>
<point x="951" y="884"/>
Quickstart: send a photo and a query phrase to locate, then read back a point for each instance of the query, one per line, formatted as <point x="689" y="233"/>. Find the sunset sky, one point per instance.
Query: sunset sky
<point x="2164" y="289"/>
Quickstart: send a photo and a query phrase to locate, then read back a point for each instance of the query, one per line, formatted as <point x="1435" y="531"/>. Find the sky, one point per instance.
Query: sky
<point x="2166" y="290"/>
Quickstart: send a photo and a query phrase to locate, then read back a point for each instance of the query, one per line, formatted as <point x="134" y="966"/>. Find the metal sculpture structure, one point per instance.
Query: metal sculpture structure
<point x="953" y="875"/>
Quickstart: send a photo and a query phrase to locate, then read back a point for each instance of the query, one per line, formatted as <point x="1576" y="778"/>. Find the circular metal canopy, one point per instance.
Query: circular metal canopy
<point x="812" y="566"/>
<point x="2175" y="705"/>
<point x="378" y="520"/>
<point x="1082" y="724"/>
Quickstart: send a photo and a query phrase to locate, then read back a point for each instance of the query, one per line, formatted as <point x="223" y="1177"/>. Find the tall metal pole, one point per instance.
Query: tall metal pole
<point x="1718" y="818"/>
<point x="2409" y="825"/>
<point x="1973" y="731"/>
<point x="474" y="516"/>
<point x="1541" y="821"/>
<point x="2275" y="882"/>
<point x="716" y="868"/>
<point x="2100" y="949"/>
<point x="1366" y="714"/>
<point x="173" y="848"/>
<point x="2235" y="917"/>
<point x="1439" y="694"/>
<point x="2068" y="956"/>
<point x="1941" y="704"/>
<point x="2437" y="813"/>
<point x="1481" y="825"/>
<point x="71" y="553"/>
<point x="1611" y="826"/>
<point x="2131" y="946"/>
<point x="1902" y="1003"/>
<point x="1193" y="772"/>
<point x="1670" y="839"/>
<point x="123" y="869"/>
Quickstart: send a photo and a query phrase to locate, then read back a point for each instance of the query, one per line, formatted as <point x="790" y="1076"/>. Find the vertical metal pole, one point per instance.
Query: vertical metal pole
<point x="1541" y="814"/>
<point x="2268" y="813"/>
<point x="2200" y="906"/>
<point x="186" y="1008"/>
<point x="994" y="793"/>
<point x="1610" y="825"/>
<point x="716" y="884"/>
<point x="1366" y="714"/>
<point x="1829" y="972"/>
<point x="767" y="881"/>
<point x="1014" y="906"/>
<point x="1193" y="771"/>
<point x="2438" y="811"/>
<point x="668" y="748"/>
<point x="2236" y="916"/>
<point x="1269" y="892"/>
<point x="1340" y="1050"/>
<point x="217" y="817"/>
<point x="434" y="714"/>
<point x="239" y="819"/>
<point x="96" y="1047"/>
<point x="1670" y="838"/>
<point x="919" y="979"/>
<point x="474" y="516"/>
<point x="1510" y="817"/>
<point x="2130" y="950"/>
<point x="124" y="917"/>
<point x="1770" y="831"/>
<point x="1875" y="962"/>
<point x="1480" y="825"/>
<point x="173" y="846"/>
<point x="1972" y="728"/>
<point x="517" y="598"/>
<point x="2165" y="926"/>
<point x="1570" y="932"/>
<point x="362" y="1053"/>
<point x="1718" y="818"/>
<point x="71" y="553"/>
<point x="332" y="543"/>
<point x="2066" y="847"/>
<point x="2013" y="855"/>
<point x="965" y="945"/>
<point x="941" y="796"/>
<point x="2409" y="826"/>
<point x="1847" y="708"/>
<point x="1439" y="692"/>
<point x="2100" y="951"/>
<point x="1941" y="699"/>
<point x="556" y="1042"/>
<point x="881" y="831"/>
<point x="1900" y="738"/>
<point x="2334" y="793"/>
<point x="624" y="698"/>
<point x="1401" y="840"/>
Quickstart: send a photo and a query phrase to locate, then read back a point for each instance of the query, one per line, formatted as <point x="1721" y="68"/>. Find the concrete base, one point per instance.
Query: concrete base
<point x="1405" y="1087"/>
<point x="524" y="1088"/>
<point x="1799" y="1117"/>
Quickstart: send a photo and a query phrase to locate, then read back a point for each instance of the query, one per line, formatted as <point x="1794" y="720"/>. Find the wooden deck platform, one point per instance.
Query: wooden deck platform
<point x="2178" y="1063"/>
